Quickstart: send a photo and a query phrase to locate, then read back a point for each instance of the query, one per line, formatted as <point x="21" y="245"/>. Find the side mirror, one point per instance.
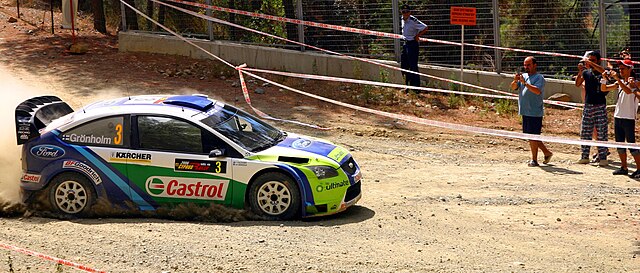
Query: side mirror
<point x="217" y="152"/>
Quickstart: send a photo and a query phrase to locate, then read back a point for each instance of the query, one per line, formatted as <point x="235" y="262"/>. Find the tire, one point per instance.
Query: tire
<point x="71" y="194"/>
<point x="274" y="196"/>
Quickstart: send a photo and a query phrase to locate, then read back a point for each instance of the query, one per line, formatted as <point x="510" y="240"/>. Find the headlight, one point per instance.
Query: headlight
<point x="323" y="172"/>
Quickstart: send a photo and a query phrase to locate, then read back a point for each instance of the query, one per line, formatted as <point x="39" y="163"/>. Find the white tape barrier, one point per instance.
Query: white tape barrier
<point x="50" y="258"/>
<point x="458" y="127"/>
<point x="371" y="32"/>
<point x="439" y="124"/>
<point x="216" y="20"/>
<point x="260" y="113"/>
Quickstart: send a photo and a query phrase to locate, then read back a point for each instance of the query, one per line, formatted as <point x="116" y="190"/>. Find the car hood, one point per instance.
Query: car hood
<point x="307" y="147"/>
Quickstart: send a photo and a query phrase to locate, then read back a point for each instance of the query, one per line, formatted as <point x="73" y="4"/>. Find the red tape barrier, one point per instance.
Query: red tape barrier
<point x="50" y="258"/>
<point x="428" y="122"/>
<point x="457" y="127"/>
<point x="370" y="32"/>
<point x="570" y="105"/>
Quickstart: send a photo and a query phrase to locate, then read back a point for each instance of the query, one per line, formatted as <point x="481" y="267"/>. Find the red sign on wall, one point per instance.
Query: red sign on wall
<point x="463" y="16"/>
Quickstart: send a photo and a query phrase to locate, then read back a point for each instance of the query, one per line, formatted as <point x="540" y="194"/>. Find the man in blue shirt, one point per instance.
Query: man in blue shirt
<point x="412" y="29"/>
<point x="530" y="86"/>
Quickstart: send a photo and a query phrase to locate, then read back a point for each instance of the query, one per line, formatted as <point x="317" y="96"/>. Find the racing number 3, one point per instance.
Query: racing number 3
<point x="218" y="167"/>
<point x="118" y="139"/>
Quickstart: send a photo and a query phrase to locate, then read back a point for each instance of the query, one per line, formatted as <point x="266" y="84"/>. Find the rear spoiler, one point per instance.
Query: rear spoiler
<point x="36" y="113"/>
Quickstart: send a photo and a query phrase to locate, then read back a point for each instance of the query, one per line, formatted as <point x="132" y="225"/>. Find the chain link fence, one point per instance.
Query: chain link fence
<point x="562" y="26"/>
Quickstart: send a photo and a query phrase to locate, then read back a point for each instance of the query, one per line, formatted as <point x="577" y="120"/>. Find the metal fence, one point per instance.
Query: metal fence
<point x="562" y="26"/>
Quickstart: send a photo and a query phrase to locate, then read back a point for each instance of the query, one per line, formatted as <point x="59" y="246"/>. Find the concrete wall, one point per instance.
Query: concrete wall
<point x="319" y="64"/>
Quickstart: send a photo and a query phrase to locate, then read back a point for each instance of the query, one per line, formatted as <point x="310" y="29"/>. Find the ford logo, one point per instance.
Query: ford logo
<point x="47" y="151"/>
<point x="301" y="143"/>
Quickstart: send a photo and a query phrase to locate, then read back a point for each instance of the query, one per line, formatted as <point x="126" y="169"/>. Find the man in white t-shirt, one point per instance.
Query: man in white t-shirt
<point x="625" y="114"/>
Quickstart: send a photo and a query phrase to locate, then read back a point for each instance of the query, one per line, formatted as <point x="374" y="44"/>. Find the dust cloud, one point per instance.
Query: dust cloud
<point x="13" y="92"/>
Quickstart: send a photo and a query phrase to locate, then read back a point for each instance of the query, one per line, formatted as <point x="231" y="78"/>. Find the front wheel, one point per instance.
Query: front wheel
<point x="274" y="196"/>
<point x="71" y="194"/>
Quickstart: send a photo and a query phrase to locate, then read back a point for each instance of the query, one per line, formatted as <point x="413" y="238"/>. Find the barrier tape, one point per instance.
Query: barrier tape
<point x="245" y="92"/>
<point x="569" y="105"/>
<point x="50" y="258"/>
<point x="260" y="113"/>
<point x="371" y="32"/>
<point x="439" y="124"/>
<point x="457" y="127"/>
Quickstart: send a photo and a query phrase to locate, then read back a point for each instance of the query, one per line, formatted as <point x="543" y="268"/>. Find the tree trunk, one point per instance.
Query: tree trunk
<point x="150" y="14"/>
<point x="232" y="19"/>
<point x="290" y="12"/>
<point x="99" y="22"/>
<point x="131" y="16"/>
<point x="161" y="14"/>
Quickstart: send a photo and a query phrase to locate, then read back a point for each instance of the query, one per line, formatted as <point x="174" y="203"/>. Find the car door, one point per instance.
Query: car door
<point x="169" y="162"/>
<point x="96" y="142"/>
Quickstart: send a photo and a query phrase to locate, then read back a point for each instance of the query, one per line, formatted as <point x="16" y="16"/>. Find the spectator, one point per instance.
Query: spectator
<point x="625" y="114"/>
<point x="594" y="114"/>
<point x="530" y="86"/>
<point x="412" y="29"/>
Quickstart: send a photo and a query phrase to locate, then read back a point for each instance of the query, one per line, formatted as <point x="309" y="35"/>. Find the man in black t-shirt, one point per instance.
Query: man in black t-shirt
<point x="594" y="114"/>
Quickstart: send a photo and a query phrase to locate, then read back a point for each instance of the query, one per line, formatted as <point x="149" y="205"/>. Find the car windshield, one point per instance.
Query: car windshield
<point x="246" y="130"/>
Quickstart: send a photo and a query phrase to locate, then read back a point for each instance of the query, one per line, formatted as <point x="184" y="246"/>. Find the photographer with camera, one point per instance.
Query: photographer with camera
<point x="594" y="114"/>
<point x="530" y="86"/>
<point x="626" y="109"/>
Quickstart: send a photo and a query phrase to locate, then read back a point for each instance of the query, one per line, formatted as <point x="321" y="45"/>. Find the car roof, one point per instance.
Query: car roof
<point x="184" y="106"/>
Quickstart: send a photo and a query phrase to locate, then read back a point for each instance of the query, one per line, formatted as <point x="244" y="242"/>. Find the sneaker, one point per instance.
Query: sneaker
<point x="533" y="163"/>
<point x="583" y="161"/>
<point x="547" y="158"/>
<point x="621" y="171"/>
<point x="603" y="163"/>
<point x="635" y="174"/>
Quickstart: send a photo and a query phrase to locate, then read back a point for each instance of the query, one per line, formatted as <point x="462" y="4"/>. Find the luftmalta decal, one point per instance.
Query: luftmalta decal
<point x="187" y="188"/>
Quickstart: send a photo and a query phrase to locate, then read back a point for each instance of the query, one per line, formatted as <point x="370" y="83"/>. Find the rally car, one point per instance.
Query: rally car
<point x="154" y="150"/>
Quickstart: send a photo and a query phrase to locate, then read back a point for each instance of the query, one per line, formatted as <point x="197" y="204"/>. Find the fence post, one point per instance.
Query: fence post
<point x="395" y="14"/>
<point x="300" y="16"/>
<point x="123" y="14"/>
<point x="209" y="23"/>
<point x="603" y="28"/>
<point x="496" y="36"/>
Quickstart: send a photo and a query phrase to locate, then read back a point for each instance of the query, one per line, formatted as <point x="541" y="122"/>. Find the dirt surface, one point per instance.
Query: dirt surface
<point x="433" y="200"/>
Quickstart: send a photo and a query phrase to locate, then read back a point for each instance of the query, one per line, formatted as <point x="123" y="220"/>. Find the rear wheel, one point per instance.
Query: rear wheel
<point x="71" y="194"/>
<point x="275" y="196"/>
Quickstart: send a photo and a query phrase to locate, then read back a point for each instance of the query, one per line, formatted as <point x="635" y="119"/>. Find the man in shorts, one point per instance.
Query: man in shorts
<point x="530" y="86"/>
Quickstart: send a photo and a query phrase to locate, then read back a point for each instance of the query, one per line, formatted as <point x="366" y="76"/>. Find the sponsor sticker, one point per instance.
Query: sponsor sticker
<point x="130" y="157"/>
<point x="187" y="188"/>
<point x="30" y="178"/>
<point x="200" y="166"/>
<point x="301" y="143"/>
<point x="47" y="151"/>
<point x="332" y="186"/>
<point x="91" y="139"/>
<point x="84" y="168"/>
<point x="338" y="154"/>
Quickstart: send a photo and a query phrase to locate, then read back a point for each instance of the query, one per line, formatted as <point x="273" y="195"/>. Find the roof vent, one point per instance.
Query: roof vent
<point x="195" y="102"/>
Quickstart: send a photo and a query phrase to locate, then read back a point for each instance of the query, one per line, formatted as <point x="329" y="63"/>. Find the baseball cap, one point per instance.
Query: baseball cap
<point x="405" y="8"/>
<point x="626" y="62"/>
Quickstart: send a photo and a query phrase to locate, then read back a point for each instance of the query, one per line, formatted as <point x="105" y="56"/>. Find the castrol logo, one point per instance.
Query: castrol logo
<point x="187" y="188"/>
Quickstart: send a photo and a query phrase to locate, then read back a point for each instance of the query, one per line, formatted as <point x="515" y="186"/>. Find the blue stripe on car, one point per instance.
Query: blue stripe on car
<point x="124" y="186"/>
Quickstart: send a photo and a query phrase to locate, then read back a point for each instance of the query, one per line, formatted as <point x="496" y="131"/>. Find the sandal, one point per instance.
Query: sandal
<point x="547" y="158"/>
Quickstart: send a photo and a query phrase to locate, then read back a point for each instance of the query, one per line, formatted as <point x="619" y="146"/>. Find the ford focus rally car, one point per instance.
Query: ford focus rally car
<point x="156" y="150"/>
